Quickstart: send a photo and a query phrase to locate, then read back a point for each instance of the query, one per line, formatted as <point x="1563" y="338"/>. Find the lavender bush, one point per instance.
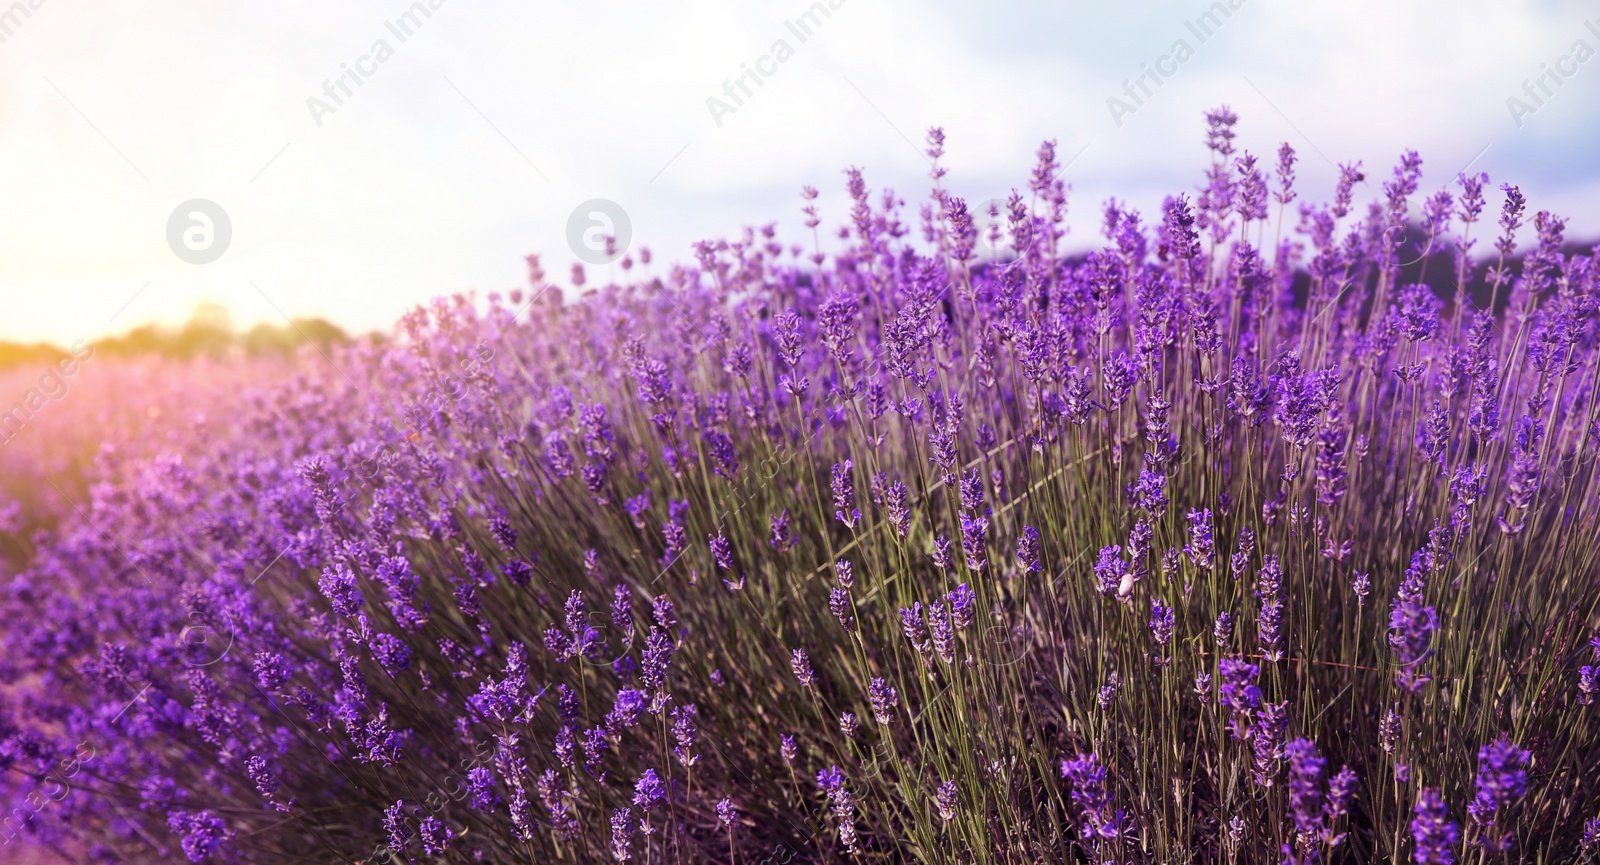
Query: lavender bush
<point x="1257" y="535"/>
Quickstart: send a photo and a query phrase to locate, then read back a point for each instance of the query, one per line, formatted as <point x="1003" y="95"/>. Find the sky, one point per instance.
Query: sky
<point x="460" y="138"/>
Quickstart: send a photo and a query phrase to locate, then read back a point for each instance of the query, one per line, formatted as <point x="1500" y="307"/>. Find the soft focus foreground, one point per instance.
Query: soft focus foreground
<point x="1233" y="541"/>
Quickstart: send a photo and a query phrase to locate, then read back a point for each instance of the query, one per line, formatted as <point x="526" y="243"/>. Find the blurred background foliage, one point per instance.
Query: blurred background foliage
<point x="210" y="332"/>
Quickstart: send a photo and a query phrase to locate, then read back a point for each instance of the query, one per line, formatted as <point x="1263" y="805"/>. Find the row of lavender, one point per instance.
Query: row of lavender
<point x="1223" y="542"/>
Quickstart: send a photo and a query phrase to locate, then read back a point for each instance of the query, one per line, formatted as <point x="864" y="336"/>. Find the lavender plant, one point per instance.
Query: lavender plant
<point x="882" y="553"/>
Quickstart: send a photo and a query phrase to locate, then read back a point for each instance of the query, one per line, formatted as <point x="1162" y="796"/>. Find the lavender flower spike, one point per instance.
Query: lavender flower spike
<point x="1434" y="834"/>
<point x="1090" y="794"/>
<point x="844" y="495"/>
<point x="802" y="668"/>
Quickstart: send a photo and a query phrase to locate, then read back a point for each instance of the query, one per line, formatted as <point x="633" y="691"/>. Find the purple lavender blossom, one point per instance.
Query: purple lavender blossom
<point x="648" y="793"/>
<point x="397" y="827"/>
<point x="1433" y="832"/>
<point x="782" y="540"/>
<point x="721" y="551"/>
<point x="974" y="538"/>
<point x="1161" y="622"/>
<point x="1267" y="740"/>
<point x="480" y="786"/>
<point x="675" y="539"/>
<point x="883" y="697"/>
<point x="1140" y="538"/>
<point x="844" y="495"/>
<point x="1201" y="548"/>
<point x="941" y="554"/>
<point x="962" y="601"/>
<point x="831" y="782"/>
<point x="1223" y="630"/>
<point x="203" y="834"/>
<point x="636" y="507"/>
<point x="1341" y="792"/>
<point x="839" y="605"/>
<point x="844" y="572"/>
<point x="391" y="652"/>
<point x="1089" y="792"/>
<point x="685" y="733"/>
<point x="1110" y="571"/>
<point x="970" y="491"/>
<point x="503" y="532"/>
<point x="622" y="611"/>
<point x="1269" y="586"/>
<point x="802" y="668"/>
<point x="1239" y="562"/>
<point x="1239" y="692"/>
<point x="1149" y="492"/>
<point x="338" y="585"/>
<point x="653" y="667"/>
<point x="1108" y="691"/>
<point x="260" y="773"/>
<point x="942" y="632"/>
<point x="566" y="746"/>
<point x="1305" y="785"/>
<point x="915" y="628"/>
<point x="1389" y="731"/>
<point x="945" y="801"/>
<point x="622" y="832"/>
<point x="898" y="512"/>
<point x="1028" y="550"/>
<point x="664" y="612"/>
<point x="1161" y="627"/>
<point x="1236" y="828"/>
<point x="272" y="670"/>
<point x="436" y="836"/>
<point x="1502" y="780"/>
<point x="625" y="711"/>
<point x="1411" y="627"/>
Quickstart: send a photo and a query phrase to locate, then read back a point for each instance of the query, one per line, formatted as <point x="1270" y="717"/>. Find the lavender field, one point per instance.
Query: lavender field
<point x="1268" y="532"/>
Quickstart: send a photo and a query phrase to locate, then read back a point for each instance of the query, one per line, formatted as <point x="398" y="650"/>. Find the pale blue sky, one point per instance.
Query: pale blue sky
<point x="471" y="145"/>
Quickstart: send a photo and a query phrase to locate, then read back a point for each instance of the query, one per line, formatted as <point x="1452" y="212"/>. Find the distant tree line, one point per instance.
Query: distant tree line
<point x="208" y="333"/>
